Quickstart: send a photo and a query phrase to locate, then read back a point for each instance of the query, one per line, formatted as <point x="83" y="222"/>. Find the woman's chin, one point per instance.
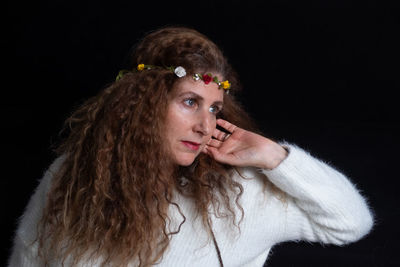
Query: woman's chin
<point x="185" y="161"/>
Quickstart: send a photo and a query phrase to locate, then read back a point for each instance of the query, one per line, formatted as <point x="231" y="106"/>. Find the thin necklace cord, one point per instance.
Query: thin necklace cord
<point x="216" y="245"/>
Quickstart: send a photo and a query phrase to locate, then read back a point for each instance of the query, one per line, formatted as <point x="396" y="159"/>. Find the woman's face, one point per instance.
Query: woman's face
<point x="191" y="118"/>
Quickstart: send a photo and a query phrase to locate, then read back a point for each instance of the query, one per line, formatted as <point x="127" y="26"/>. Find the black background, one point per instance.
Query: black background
<point x="321" y="74"/>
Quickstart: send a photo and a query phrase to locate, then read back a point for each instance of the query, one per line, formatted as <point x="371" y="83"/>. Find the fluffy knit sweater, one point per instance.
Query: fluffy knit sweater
<point x="320" y="205"/>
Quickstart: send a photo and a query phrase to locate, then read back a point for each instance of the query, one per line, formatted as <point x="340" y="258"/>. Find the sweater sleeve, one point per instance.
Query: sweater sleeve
<point x="25" y="249"/>
<point x="323" y="205"/>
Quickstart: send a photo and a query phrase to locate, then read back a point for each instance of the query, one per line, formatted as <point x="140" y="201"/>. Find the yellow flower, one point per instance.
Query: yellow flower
<point x="225" y="84"/>
<point x="140" y="67"/>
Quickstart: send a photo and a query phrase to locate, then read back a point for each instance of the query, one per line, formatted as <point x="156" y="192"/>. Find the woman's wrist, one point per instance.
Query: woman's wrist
<point x="276" y="154"/>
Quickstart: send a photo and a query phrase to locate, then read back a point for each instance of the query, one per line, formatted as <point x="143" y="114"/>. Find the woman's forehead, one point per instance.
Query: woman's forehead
<point x="210" y="91"/>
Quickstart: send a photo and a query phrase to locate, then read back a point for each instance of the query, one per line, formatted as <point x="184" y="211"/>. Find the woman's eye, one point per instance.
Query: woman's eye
<point x="190" y="102"/>
<point x="214" y="109"/>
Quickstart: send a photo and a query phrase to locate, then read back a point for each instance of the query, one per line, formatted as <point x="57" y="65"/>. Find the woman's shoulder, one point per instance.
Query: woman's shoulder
<point x="34" y="210"/>
<point x="56" y="165"/>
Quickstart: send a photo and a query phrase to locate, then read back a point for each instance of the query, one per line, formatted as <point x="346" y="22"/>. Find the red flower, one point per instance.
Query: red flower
<point x="207" y="78"/>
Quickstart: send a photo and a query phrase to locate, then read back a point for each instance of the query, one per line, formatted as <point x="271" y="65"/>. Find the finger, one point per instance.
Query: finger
<point x="214" y="143"/>
<point x="205" y="150"/>
<point x="220" y="135"/>
<point x="227" y="125"/>
<point x="227" y="136"/>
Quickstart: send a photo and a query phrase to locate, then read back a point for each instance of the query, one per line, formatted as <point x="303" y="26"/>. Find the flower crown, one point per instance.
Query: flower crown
<point x="181" y="72"/>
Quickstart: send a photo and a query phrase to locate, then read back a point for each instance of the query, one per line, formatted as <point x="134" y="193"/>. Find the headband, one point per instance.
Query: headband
<point x="181" y="72"/>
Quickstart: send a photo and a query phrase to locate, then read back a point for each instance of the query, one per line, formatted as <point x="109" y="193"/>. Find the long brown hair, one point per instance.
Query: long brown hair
<point x="110" y="197"/>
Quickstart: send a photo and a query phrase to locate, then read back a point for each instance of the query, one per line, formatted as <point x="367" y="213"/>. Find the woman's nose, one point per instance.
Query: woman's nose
<point x="205" y="123"/>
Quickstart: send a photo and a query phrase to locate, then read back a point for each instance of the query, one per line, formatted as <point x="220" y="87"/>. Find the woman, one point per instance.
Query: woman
<point x="165" y="167"/>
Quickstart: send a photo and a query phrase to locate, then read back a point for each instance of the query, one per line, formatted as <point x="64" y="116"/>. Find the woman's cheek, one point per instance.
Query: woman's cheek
<point x="186" y="109"/>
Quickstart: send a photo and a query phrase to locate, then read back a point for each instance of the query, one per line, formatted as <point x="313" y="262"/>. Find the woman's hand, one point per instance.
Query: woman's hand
<point x="243" y="148"/>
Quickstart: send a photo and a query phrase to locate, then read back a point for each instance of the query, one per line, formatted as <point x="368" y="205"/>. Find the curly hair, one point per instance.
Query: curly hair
<point x="109" y="200"/>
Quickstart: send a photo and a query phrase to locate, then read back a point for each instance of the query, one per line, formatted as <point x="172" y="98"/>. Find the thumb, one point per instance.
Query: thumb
<point x="218" y="156"/>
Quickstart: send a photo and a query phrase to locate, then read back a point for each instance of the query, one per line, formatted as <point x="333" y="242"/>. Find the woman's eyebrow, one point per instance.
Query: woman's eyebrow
<point x="193" y="94"/>
<point x="219" y="103"/>
<point x="199" y="97"/>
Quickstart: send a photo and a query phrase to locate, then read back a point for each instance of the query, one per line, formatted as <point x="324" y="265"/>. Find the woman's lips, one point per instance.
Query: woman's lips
<point x="191" y="145"/>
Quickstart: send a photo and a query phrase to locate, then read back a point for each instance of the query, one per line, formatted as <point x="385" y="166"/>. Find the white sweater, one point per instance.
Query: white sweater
<point x="321" y="205"/>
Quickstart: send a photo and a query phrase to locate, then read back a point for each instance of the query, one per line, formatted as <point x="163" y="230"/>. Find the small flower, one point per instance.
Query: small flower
<point x="225" y="84"/>
<point x="196" y="76"/>
<point x="180" y="71"/>
<point x="207" y="78"/>
<point x="140" y="67"/>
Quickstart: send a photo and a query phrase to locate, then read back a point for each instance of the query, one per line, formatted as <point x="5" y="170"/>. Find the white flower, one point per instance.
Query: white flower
<point x="180" y="71"/>
<point x="183" y="181"/>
